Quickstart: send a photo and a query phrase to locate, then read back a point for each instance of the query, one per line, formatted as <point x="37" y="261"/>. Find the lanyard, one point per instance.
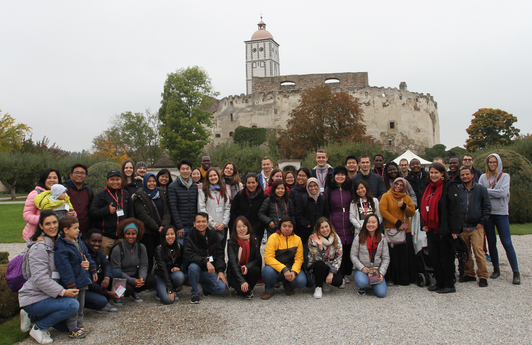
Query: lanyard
<point x="218" y="198"/>
<point x="364" y="206"/>
<point x="322" y="181"/>
<point x="495" y="181"/>
<point x="118" y="205"/>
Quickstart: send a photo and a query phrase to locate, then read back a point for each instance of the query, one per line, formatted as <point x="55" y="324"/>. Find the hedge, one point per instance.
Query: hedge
<point x="97" y="176"/>
<point x="251" y="136"/>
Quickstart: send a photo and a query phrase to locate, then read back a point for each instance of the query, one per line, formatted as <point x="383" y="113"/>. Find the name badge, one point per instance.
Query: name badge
<point x="322" y="190"/>
<point x="210" y="259"/>
<point x="119" y="212"/>
<point x="219" y="210"/>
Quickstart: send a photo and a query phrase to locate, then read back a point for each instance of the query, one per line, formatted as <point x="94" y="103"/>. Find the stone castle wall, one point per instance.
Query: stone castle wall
<point x="398" y="119"/>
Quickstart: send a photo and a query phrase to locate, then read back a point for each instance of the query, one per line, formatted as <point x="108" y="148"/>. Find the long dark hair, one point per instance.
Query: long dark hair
<point x="124" y="178"/>
<point x="38" y="231"/>
<point x="274" y="171"/>
<point x="164" y="245"/>
<point x="234" y="234"/>
<point x="162" y="172"/>
<point x="206" y="188"/>
<point x="440" y="168"/>
<point x="387" y="183"/>
<point x="364" y="233"/>
<point x="369" y="196"/>
<point x="273" y="195"/>
<point x="236" y="175"/>
<point x="44" y="176"/>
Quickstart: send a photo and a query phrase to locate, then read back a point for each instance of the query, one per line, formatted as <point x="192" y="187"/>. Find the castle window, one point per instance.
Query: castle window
<point x="217" y="135"/>
<point x="392" y="123"/>
<point x="275" y="111"/>
<point x="262" y="63"/>
<point x="231" y="103"/>
<point x="383" y="95"/>
<point x="332" y="81"/>
<point x="288" y="83"/>
<point x="389" y="143"/>
<point x="253" y="126"/>
<point x="231" y="134"/>
<point x="254" y="64"/>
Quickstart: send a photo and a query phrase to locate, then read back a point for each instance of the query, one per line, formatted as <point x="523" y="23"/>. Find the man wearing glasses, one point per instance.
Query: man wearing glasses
<point x="403" y="167"/>
<point x="80" y="195"/>
<point x="467" y="161"/>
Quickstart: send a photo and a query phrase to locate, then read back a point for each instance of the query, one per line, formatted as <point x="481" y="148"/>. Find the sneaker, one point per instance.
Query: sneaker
<point x="41" y="335"/>
<point x="76" y="333"/>
<point x="194" y="299"/>
<point x="326" y="287"/>
<point x="118" y="301"/>
<point x="136" y="297"/>
<point x="466" y="278"/>
<point x="107" y="309"/>
<point x="361" y="291"/>
<point x="250" y="295"/>
<point x="346" y="280"/>
<point x="483" y="282"/>
<point x="318" y="293"/>
<point x="343" y="285"/>
<point x="82" y="329"/>
<point x="488" y="257"/>
<point x="25" y="322"/>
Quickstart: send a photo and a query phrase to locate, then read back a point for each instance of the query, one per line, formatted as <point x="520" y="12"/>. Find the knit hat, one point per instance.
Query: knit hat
<point x="140" y="164"/>
<point x="57" y="190"/>
<point x="131" y="226"/>
<point x="340" y="170"/>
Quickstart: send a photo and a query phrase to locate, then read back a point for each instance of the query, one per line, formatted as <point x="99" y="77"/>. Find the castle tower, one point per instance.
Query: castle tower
<point x="262" y="56"/>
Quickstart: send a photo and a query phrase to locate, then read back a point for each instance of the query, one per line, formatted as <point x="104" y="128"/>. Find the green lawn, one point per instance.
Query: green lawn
<point x="10" y="331"/>
<point x="12" y="223"/>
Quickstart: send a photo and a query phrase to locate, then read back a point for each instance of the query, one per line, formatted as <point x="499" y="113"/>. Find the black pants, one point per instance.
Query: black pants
<point x="347" y="266"/>
<point x="321" y="270"/>
<point x="441" y="254"/>
<point x="150" y="241"/>
<point x="252" y="278"/>
<point x="148" y="284"/>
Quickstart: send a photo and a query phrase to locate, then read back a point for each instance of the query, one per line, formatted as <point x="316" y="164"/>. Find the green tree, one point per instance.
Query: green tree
<point x="17" y="168"/>
<point x="184" y="114"/>
<point x="491" y="127"/>
<point x="11" y="133"/>
<point x="337" y="152"/>
<point x="321" y="117"/>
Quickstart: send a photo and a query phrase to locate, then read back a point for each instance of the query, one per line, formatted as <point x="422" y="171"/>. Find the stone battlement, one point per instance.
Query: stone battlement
<point x="296" y="81"/>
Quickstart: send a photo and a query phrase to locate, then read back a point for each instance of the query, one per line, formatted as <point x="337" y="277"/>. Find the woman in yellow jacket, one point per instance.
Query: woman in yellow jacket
<point x="396" y="207"/>
<point x="283" y="257"/>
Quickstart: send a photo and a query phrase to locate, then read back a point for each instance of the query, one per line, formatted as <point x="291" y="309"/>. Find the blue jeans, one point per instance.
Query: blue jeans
<point x="503" y="228"/>
<point x="362" y="280"/>
<point x="94" y="300"/>
<point x="52" y="312"/>
<point x="207" y="280"/>
<point x="177" y="278"/>
<point x="187" y="228"/>
<point x="270" y="276"/>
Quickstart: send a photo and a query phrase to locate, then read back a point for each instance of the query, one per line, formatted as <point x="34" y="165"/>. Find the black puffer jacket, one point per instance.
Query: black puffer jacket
<point x="183" y="203"/>
<point x="197" y="250"/>
<point x="233" y="265"/>
<point x="163" y="267"/>
<point x="273" y="211"/>
<point x="308" y="211"/>
<point x="101" y="216"/>
<point x="449" y="209"/>
<point x="144" y="211"/>
<point x="249" y="208"/>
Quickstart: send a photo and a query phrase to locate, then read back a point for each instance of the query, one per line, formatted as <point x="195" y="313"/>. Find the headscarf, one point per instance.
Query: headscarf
<point x="313" y="196"/>
<point x="399" y="195"/>
<point x="152" y="193"/>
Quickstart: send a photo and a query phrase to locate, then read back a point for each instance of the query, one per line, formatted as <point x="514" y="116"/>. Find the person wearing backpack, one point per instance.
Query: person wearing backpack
<point x="42" y="299"/>
<point x="129" y="259"/>
<point x="81" y="195"/>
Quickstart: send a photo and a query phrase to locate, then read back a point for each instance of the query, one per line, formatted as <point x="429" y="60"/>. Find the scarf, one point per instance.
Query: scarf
<point x="229" y="180"/>
<point x="372" y="246"/>
<point x="313" y="196"/>
<point x="202" y="172"/>
<point x="430" y="200"/>
<point x="152" y="193"/>
<point x="327" y="241"/>
<point x="265" y="179"/>
<point x="213" y="187"/>
<point x="243" y="250"/>
<point x="257" y="192"/>
<point x="188" y="183"/>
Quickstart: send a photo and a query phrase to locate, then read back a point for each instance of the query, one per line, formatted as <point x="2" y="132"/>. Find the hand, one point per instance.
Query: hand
<point x="111" y="295"/>
<point x="403" y="226"/>
<point x="181" y="233"/>
<point x="71" y="293"/>
<point x="272" y="225"/>
<point x="365" y="270"/>
<point x="85" y="263"/>
<point x="71" y="213"/>
<point x="455" y="236"/>
<point x="210" y="268"/>
<point x="104" y="284"/>
<point x="219" y="227"/>
<point x="400" y="203"/>
<point x="317" y="240"/>
<point x="329" y="278"/>
<point x="244" y="287"/>
<point x="139" y="282"/>
<point x="425" y="229"/>
<point x="95" y="277"/>
<point x="221" y="276"/>
<point x="174" y="269"/>
<point x="171" y="296"/>
<point x="480" y="226"/>
<point x="160" y="228"/>
<point x="112" y="209"/>
<point x="380" y="278"/>
<point x="244" y="271"/>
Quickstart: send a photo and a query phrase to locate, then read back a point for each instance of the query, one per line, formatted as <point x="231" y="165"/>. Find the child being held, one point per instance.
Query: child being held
<point x="74" y="264"/>
<point x="54" y="199"/>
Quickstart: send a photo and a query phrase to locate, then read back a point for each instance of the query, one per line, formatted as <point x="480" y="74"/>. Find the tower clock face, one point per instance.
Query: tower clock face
<point x="254" y="50"/>
<point x="261" y="49"/>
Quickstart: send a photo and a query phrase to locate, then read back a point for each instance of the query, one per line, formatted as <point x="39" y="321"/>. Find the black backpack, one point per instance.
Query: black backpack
<point x="121" y="245"/>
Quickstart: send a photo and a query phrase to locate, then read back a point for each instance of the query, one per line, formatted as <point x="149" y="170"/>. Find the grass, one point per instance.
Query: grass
<point x="521" y="229"/>
<point x="10" y="331"/>
<point x="12" y="223"/>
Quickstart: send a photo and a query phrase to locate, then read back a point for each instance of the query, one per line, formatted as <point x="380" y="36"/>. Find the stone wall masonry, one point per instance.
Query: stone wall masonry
<point x="261" y="84"/>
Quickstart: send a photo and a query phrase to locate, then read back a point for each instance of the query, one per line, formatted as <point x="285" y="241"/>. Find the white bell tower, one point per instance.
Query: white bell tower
<point x="262" y="56"/>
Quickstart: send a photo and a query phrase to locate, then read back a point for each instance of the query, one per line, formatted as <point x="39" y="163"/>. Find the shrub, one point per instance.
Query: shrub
<point x="247" y="158"/>
<point x="520" y="170"/>
<point x="250" y="136"/>
<point x="8" y="299"/>
<point x="97" y="177"/>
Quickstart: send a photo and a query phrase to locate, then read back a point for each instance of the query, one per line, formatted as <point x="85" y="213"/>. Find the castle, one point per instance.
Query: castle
<point x="397" y="118"/>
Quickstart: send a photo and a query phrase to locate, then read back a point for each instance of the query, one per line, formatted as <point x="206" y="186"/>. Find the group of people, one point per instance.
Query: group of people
<point x="207" y="227"/>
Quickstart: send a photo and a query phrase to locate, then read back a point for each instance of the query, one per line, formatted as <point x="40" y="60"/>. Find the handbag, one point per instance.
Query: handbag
<point x="311" y="279"/>
<point x="14" y="274"/>
<point x="395" y="236"/>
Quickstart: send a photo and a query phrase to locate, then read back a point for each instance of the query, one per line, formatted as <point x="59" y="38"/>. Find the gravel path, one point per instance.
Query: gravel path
<point x="500" y="313"/>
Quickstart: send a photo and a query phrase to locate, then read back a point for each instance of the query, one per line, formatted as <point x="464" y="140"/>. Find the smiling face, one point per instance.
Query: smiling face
<point x="128" y="169"/>
<point x="415" y="166"/>
<point x="213" y="177"/>
<point x="241" y="228"/>
<point x="164" y="179"/>
<point x="351" y="165"/>
<point x="435" y="175"/>
<point x="339" y="178"/>
<point x="392" y="171"/>
<point x="313" y="188"/>
<point x="78" y="176"/>
<point x="114" y="182"/>
<point x="290" y="179"/>
<point x="278" y="176"/>
<point x="94" y="243"/>
<point x="321" y="159"/>
<point x="196" y="175"/>
<point x="493" y="164"/>
<point x="141" y="171"/>
<point x="267" y="165"/>
<point x="467" y="161"/>
<point x="372" y="225"/>
<point x="361" y="191"/>
<point x="251" y="184"/>
<point x="280" y="190"/>
<point x="398" y="186"/>
<point x="185" y="171"/>
<point x="466" y="176"/>
<point x="287" y="228"/>
<point x="229" y="170"/>
<point x="201" y="223"/>
<point x="51" y="180"/>
<point x="325" y="229"/>
<point x="170" y="236"/>
<point x="454" y="165"/>
<point x="151" y="183"/>
<point x="302" y="178"/>
<point x="50" y="226"/>
<point x="206" y="162"/>
<point x="130" y="236"/>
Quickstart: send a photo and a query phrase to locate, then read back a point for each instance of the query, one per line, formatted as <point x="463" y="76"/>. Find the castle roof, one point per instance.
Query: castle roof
<point x="261" y="33"/>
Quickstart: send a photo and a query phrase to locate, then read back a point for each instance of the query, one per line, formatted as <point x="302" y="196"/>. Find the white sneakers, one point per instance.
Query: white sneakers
<point x="318" y="293"/>
<point x="25" y="322"/>
<point x="41" y="335"/>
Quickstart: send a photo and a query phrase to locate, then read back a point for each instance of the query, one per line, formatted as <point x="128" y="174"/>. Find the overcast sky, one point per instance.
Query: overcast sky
<point x="67" y="66"/>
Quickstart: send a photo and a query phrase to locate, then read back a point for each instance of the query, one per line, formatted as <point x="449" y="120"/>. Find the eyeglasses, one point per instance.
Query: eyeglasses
<point x="468" y="159"/>
<point x="80" y="173"/>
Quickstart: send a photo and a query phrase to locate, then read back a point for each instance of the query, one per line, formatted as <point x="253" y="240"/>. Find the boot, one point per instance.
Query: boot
<point x="517" y="278"/>
<point x="496" y="273"/>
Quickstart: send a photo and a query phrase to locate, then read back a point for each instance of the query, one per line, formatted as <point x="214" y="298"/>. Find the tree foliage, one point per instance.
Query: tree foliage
<point x="247" y="158"/>
<point x="440" y="150"/>
<point x="491" y="127"/>
<point x="249" y="135"/>
<point x="184" y="113"/>
<point x="321" y="117"/>
<point x="108" y="145"/>
<point x="11" y="134"/>
<point x="337" y="152"/>
<point x="21" y="168"/>
<point x="97" y="176"/>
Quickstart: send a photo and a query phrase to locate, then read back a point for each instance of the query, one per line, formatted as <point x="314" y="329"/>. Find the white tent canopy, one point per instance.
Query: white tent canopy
<point x="409" y="155"/>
